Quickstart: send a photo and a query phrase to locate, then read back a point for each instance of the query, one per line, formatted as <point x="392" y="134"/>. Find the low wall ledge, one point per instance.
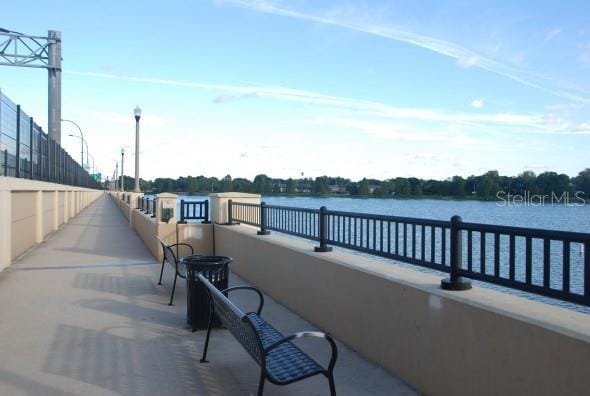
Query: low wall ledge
<point x="561" y="320"/>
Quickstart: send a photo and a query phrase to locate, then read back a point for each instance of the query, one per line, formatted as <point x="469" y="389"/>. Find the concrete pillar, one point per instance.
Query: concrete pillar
<point x="166" y="208"/>
<point x="55" y="219"/>
<point x="39" y="214"/>
<point x="133" y="205"/>
<point x="66" y="206"/>
<point x="5" y="228"/>
<point x="218" y="204"/>
<point x="72" y="207"/>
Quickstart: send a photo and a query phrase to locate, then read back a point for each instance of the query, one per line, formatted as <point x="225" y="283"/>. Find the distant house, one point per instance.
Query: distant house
<point x="373" y="187"/>
<point x="279" y="187"/>
<point x="303" y="188"/>
<point x="338" y="189"/>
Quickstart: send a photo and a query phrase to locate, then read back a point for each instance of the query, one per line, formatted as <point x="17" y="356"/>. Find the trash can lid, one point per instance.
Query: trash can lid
<point x="196" y="259"/>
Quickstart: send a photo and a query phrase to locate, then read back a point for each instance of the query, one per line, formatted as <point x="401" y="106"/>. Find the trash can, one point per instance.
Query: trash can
<point x="216" y="270"/>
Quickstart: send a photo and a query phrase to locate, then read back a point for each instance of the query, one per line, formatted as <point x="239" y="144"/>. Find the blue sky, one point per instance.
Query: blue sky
<point x="350" y="88"/>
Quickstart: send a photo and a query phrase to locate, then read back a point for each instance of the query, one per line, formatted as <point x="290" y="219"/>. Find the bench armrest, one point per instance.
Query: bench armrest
<point x="183" y="244"/>
<point x="303" y="334"/>
<point x="261" y="297"/>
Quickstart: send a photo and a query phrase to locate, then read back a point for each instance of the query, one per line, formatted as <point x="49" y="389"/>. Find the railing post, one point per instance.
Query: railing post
<point x="323" y="230"/>
<point x="182" y="220"/>
<point x="206" y="220"/>
<point x="17" y="170"/>
<point x="31" y="123"/>
<point x="263" y="230"/>
<point x="454" y="281"/>
<point x="230" y="212"/>
<point x="154" y="203"/>
<point x="586" y="252"/>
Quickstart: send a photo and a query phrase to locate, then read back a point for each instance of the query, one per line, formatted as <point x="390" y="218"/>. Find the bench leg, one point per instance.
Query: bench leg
<point x="204" y="357"/>
<point x="332" y="384"/>
<point x="161" y="271"/>
<point x="173" y="288"/>
<point x="261" y="383"/>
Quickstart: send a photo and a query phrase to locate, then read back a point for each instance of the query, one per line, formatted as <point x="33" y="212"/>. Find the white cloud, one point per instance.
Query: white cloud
<point x="552" y="34"/>
<point x="464" y="57"/>
<point x="372" y="108"/>
<point x="583" y="128"/>
<point x="397" y="132"/>
<point x="228" y="98"/>
<point x="468" y="61"/>
<point x="477" y="103"/>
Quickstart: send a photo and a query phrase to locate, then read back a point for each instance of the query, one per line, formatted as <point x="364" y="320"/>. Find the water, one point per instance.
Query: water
<point x="555" y="217"/>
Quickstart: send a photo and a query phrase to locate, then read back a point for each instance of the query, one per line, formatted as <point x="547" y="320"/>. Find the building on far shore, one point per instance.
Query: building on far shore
<point x="338" y="189"/>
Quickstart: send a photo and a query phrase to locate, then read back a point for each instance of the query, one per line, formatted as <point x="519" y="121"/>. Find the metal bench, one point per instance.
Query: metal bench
<point x="280" y="361"/>
<point x="174" y="260"/>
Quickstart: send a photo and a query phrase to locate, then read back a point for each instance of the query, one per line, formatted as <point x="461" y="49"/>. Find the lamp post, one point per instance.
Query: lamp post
<point x="94" y="169"/>
<point x="81" y="137"/>
<point x="122" y="173"/>
<point x="137" y="113"/>
<point x="116" y="176"/>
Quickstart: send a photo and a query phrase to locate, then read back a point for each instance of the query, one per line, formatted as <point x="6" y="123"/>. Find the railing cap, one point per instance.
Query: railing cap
<point x="234" y="195"/>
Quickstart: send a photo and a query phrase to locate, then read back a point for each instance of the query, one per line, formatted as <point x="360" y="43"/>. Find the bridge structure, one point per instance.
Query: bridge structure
<point x="44" y="52"/>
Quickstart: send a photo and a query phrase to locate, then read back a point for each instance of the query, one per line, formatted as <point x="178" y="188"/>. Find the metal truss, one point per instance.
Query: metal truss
<point x="18" y="49"/>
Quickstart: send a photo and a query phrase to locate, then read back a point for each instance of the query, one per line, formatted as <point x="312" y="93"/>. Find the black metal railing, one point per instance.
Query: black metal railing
<point x="194" y="210"/>
<point x="29" y="153"/>
<point x="545" y="262"/>
<point x="147" y="205"/>
<point x="242" y="212"/>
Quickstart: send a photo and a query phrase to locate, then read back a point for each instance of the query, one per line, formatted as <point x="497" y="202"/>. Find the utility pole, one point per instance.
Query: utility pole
<point x="122" y="173"/>
<point x="54" y="86"/>
<point x="137" y="113"/>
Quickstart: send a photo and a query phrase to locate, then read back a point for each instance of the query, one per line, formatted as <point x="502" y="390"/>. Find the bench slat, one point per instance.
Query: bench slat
<point x="286" y="363"/>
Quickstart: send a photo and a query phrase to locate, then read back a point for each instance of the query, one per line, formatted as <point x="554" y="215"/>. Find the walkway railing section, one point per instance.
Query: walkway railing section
<point x="29" y="153"/>
<point x="147" y="205"/>
<point x="545" y="262"/>
<point x="194" y="210"/>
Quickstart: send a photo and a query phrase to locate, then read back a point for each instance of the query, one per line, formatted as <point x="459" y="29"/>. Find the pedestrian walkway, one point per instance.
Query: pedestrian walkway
<point x="81" y="314"/>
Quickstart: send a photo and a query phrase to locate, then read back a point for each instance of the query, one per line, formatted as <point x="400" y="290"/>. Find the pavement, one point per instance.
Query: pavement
<point x="82" y="314"/>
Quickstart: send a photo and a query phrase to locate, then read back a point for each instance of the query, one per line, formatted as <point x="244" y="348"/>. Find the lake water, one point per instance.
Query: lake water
<point x="555" y="217"/>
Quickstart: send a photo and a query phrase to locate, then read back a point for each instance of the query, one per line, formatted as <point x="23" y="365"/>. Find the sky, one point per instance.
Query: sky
<point x="356" y="89"/>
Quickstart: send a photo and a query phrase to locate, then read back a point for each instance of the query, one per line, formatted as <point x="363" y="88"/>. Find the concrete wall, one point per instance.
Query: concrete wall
<point x="48" y="213"/>
<point x="30" y="210"/>
<point x="24" y="220"/>
<point x="60" y="207"/>
<point x="443" y="343"/>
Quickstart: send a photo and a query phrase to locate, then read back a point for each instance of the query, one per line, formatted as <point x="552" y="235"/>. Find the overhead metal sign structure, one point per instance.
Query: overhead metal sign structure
<point x="17" y="49"/>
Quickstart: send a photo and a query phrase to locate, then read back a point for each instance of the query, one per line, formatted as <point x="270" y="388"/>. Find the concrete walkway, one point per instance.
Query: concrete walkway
<point x="82" y="314"/>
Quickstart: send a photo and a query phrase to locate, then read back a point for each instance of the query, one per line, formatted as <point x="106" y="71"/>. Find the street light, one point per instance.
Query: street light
<point x="94" y="169"/>
<point x="81" y="137"/>
<point x="122" y="173"/>
<point x="137" y="113"/>
<point x="116" y="176"/>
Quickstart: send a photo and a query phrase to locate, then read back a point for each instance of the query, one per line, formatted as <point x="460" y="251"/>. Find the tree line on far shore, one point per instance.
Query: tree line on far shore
<point x="485" y="186"/>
